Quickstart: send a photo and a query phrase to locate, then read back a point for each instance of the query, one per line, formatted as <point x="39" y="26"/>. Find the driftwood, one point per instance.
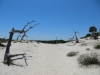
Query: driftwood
<point x="8" y="56"/>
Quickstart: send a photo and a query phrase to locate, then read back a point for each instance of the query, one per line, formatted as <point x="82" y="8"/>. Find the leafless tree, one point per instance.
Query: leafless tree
<point x="8" y="56"/>
<point x="75" y="33"/>
<point x="72" y="42"/>
<point x="71" y="39"/>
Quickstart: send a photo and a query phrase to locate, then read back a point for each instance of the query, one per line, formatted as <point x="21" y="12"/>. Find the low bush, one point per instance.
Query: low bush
<point x="97" y="46"/>
<point x="51" y="41"/>
<point x="87" y="48"/>
<point x="72" y="53"/>
<point x="87" y="35"/>
<point x="3" y="40"/>
<point x="89" y="59"/>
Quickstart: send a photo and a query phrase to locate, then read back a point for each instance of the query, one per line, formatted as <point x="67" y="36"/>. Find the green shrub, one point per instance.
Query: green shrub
<point x="87" y="35"/>
<point x="72" y="53"/>
<point x="3" y="40"/>
<point x="51" y="41"/>
<point x="87" y="48"/>
<point x="14" y="41"/>
<point x="89" y="59"/>
<point x="81" y="37"/>
<point x="97" y="46"/>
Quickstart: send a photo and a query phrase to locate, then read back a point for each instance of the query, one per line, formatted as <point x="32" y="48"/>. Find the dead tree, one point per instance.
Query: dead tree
<point x="27" y="31"/>
<point x="77" y="41"/>
<point x="71" y="42"/>
<point x="8" y="56"/>
<point x="71" y="39"/>
<point x="94" y="36"/>
<point x="18" y="37"/>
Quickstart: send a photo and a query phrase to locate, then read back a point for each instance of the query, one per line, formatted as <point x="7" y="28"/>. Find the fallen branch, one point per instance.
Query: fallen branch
<point x="9" y="61"/>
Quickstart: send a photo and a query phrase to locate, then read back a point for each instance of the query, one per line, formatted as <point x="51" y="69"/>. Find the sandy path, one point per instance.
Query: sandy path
<point x="49" y="62"/>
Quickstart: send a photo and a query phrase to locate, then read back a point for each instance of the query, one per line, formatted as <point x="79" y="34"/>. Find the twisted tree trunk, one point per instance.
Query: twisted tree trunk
<point x="7" y="57"/>
<point x="7" y="53"/>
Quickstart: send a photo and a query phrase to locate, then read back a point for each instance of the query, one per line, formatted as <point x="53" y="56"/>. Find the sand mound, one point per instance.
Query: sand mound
<point x="48" y="59"/>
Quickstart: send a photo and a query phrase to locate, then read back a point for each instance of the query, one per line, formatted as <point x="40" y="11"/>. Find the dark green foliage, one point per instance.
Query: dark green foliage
<point x="97" y="34"/>
<point x="81" y="37"/>
<point x="52" y="41"/>
<point x="72" y="53"/>
<point x="3" y="40"/>
<point x="88" y="35"/>
<point x="87" y="48"/>
<point x="92" y="29"/>
<point x="97" y="46"/>
<point x="89" y="59"/>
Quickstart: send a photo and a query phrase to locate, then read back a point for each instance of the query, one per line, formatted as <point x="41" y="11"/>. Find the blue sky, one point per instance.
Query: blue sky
<point x="57" y="18"/>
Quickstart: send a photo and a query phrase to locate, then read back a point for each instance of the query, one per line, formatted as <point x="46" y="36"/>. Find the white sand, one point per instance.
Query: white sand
<point x="48" y="59"/>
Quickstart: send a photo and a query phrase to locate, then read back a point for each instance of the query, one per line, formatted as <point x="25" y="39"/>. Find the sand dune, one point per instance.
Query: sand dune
<point x="48" y="59"/>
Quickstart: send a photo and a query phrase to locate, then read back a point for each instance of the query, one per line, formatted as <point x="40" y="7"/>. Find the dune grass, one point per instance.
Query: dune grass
<point x="70" y="54"/>
<point x="89" y="59"/>
<point x="97" y="46"/>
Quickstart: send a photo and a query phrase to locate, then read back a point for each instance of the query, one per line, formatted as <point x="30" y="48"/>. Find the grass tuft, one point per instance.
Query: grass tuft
<point x="89" y="59"/>
<point x="72" y="53"/>
<point x="87" y="48"/>
<point x="97" y="46"/>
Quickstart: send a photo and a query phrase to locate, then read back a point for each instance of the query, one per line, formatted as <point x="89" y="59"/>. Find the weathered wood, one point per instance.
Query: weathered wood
<point x="7" y="53"/>
<point x="94" y="36"/>
<point x="8" y="56"/>
<point x="18" y="37"/>
<point x="19" y="55"/>
<point x="27" y="30"/>
<point x="71" y="39"/>
<point x="77" y="41"/>
<point x="25" y="60"/>
<point x="14" y="55"/>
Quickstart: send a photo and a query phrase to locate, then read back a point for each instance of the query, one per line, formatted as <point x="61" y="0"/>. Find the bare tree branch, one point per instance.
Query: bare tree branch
<point x="18" y="37"/>
<point x="14" y="55"/>
<point x="28" y="30"/>
<point x="23" y="30"/>
<point x="76" y="35"/>
<point x="7" y="56"/>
